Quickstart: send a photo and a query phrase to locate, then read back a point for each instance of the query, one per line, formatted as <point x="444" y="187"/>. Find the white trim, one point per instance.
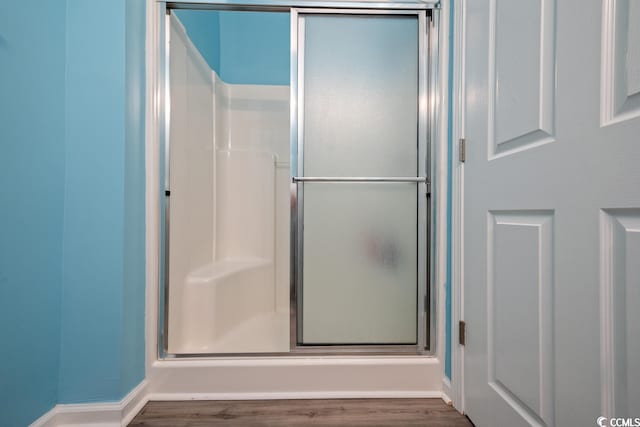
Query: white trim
<point x="446" y="390"/>
<point x="439" y="179"/>
<point x="298" y="361"/>
<point x="135" y="402"/>
<point x="292" y="376"/>
<point x="298" y="376"/>
<point x="46" y="420"/>
<point x="457" y="195"/>
<point x="445" y="397"/>
<point x="152" y="172"/>
<point x="399" y="394"/>
<point x="105" y="414"/>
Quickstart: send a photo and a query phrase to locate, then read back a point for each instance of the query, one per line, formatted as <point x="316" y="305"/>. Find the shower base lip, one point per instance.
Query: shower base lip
<point x="297" y="377"/>
<point x="293" y="359"/>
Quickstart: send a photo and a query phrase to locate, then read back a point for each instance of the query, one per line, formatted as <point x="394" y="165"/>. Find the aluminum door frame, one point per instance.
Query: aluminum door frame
<point x="429" y="114"/>
<point x="426" y="108"/>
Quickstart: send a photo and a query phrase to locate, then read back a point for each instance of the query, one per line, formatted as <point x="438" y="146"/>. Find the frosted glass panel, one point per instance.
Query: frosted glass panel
<point x="360" y="263"/>
<point x="360" y="95"/>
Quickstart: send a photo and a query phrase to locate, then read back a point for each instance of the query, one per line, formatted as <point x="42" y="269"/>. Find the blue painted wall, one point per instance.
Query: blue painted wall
<point x="94" y="185"/>
<point x="32" y="168"/>
<point x="134" y="279"/>
<point x="72" y="213"/>
<point x="242" y="47"/>
<point x="103" y="263"/>
<point x="255" y="48"/>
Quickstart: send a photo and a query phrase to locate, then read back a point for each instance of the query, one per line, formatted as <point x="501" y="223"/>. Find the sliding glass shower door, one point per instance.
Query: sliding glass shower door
<point x="359" y="180"/>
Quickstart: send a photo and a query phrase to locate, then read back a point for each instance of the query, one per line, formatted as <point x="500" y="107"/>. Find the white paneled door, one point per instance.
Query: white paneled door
<point x="552" y="211"/>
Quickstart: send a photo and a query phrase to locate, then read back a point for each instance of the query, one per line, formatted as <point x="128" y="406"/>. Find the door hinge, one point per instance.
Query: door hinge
<point x="462" y="151"/>
<point x="461" y="332"/>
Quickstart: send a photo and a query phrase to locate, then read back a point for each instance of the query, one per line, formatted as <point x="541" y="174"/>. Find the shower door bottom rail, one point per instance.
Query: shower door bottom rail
<point x="359" y="179"/>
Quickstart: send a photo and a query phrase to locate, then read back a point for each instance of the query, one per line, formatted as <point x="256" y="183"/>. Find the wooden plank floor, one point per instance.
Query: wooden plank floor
<point x="289" y="413"/>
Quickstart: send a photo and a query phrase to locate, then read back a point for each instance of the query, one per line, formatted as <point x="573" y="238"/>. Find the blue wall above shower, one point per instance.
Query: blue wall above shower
<point x="254" y="48"/>
<point x="242" y="47"/>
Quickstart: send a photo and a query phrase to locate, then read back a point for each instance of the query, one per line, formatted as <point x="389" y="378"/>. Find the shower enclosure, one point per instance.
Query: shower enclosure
<point x="297" y="215"/>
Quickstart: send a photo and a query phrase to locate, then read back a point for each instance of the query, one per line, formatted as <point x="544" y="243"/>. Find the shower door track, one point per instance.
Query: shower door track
<point x="429" y="91"/>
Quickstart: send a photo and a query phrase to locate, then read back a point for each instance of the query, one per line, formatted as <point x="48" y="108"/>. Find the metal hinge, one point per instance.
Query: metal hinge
<point x="462" y="149"/>
<point x="461" y="332"/>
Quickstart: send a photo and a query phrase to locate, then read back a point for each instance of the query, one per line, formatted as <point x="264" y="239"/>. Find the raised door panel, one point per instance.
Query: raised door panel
<point x="521" y="75"/>
<point x="620" y="81"/>
<point x="520" y="316"/>
<point x="620" y="298"/>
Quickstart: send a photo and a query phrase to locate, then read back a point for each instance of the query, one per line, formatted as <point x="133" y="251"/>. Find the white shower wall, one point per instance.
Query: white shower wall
<point x="191" y="166"/>
<point x="256" y="118"/>
<point x="229" y="216"/>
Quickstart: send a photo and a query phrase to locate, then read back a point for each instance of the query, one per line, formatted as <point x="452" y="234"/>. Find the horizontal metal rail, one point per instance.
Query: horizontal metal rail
<point x="359" y="179"/>
<point x="285" y="5"/>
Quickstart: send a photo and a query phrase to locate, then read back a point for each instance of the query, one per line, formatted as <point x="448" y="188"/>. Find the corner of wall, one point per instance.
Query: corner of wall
<point x="102" y="341"/>
<point x="133" y="295"/>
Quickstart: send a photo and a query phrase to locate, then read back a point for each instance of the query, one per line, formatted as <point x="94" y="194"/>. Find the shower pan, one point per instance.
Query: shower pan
<point x="296" y="217"/>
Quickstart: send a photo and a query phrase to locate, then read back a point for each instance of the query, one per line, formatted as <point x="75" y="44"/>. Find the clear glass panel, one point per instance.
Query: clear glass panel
<point x="360" y="95"/>
<point x="359" y="263"/>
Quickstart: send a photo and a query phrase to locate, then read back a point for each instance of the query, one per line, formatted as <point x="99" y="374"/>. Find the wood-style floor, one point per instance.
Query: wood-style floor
<point x="289" y="413"/>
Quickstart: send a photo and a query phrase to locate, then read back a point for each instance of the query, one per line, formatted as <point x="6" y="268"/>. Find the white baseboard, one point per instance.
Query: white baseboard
<point x="446" y="391"/>
<point x="46" y="420"/>
<point x="367" y="394"/>
<point x="112" y="414"/>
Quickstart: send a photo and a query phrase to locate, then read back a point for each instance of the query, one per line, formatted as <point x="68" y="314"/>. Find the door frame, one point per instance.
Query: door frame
<point x="309" y="376"/>
<point x="457" y="22"/>
<point x="428" y="55"/>
<point x="427" y="58"/>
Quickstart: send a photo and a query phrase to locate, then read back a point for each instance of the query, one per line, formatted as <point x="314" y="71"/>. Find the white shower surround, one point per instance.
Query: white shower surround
<point x="228" y="266"/>
<point x="303" y="376"/>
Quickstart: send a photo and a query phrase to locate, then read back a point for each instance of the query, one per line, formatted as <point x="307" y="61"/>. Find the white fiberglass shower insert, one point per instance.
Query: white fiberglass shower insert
<point x="228" y="254"/>
<point x="299" y="214"/>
